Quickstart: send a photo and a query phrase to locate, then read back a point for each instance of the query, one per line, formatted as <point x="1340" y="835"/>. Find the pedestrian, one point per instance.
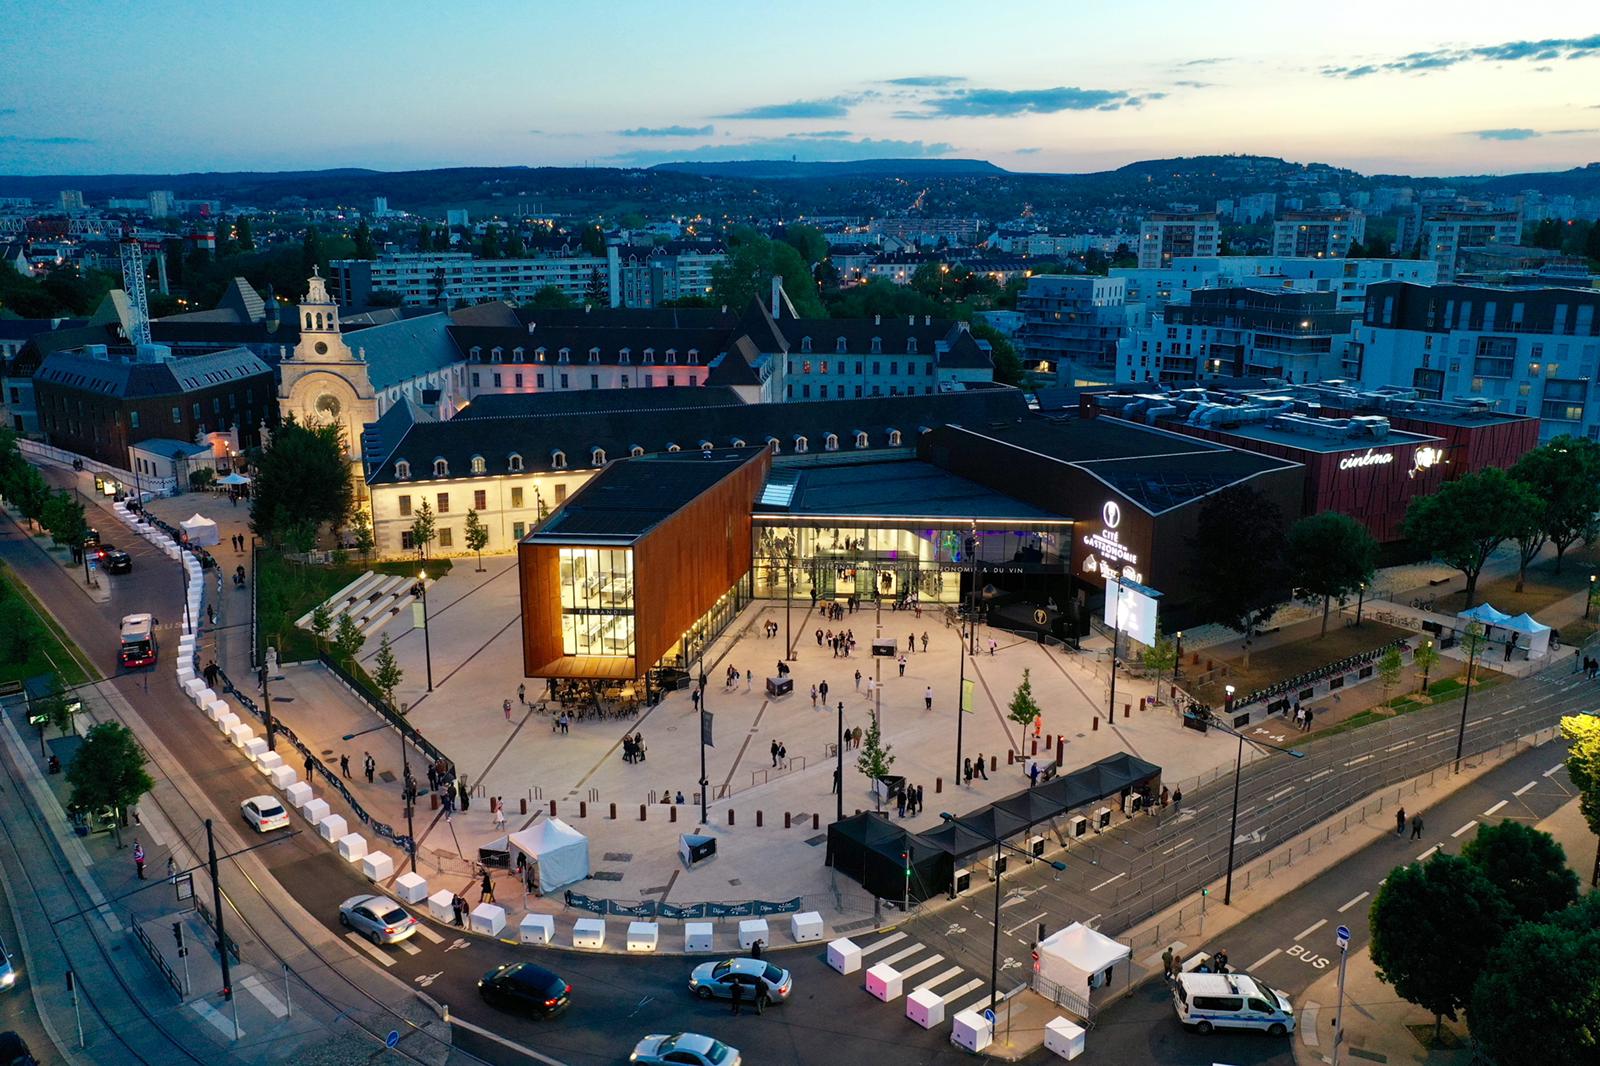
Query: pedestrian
<point x="924" y="640"/>
<point x="486" y="892"/>
<point x="858" y="735"/>
<point x="981" y="767"/>
<point x="499" y="813"/>
<point x="459" y="907"/>
<point x="344" y="765"/>
<point x="1033" y="773"/>
<point x="138" y="858"/>
<point x="566" y="719"/>
<point x="522" y="694"/>
<point x="466" y="794"/>
<point x="858" y="680"/>
<point x="919" y="799"/>
<point x="835" y="780"/>
<point x="927" y="698"/>
<point x="1416" y="827"/>
<point x="1400" y="822"/>
<point x="813" y="697"/>
<point x="869" y="689"/>
<point x="694" y="697"/>
<point x="1219" y="961"/>
<point x="310" y="762"/>
<point x="638" y="746"/>
<point x="819" y="636"/>
<point x="774" y="752"/>
<point x="755" y="949"/>
<point x="369" y="766"/>
<point x="911" y="642"/>
<point x="992" y="645"/>
<point x="1307" y="726"/>
<point x="749" y="679"/>
<point x="900" y="801"/>
<point x="736" y="993"/>
<point x="211" y="613"/>
<point x="822" y="690"/>
<point x="966" y="771"/>
<point x="506" y="706"/>
<point x="1166" y="963"/>
<point x="783" y="752"/>
<point x="1166" y="796"/>
<point x="902" y="666"/>
<point x="1177" y="799"/>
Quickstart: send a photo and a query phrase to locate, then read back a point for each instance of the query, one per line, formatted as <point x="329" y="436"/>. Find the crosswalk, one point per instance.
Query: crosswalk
<point x="924" y="973"/>
<point x="384" y="957"/>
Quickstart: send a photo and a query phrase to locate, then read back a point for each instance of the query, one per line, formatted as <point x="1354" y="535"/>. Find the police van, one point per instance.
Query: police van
<point x="1207" y="1001"/>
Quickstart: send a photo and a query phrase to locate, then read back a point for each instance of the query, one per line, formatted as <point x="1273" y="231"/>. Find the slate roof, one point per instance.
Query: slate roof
<point x="590" y="401"/>
<point x="126" y="380"/>
<point x="400" y="351"/>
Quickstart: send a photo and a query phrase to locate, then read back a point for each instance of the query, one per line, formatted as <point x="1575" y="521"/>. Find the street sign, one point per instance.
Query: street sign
<point x="705" y="729"/>
<point x="393" y="1039"/>
<point x="1343" y="933"/>
<point x="184" y="887"/>
<point x="988" y="1015"/>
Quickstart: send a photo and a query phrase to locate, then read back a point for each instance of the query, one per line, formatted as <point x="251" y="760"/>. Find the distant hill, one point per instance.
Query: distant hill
<point x="860" y="168"/>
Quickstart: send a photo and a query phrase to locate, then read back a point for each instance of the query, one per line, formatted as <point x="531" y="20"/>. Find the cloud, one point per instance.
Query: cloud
<point x="1567" y="133"/>
<point x="1515" y="133"/>
<point x="1004" y="103"/>
<point x="10" y="138"/>
<point x="1027" y="151"/>
<point x="822" y="133"/>
<point x="1194" y="84"/>
<point x="804" y="147"/>
<point x="1204" y="62"/>
<point x="668" y="131"/>
<point x="927" y="81"/>
<point x="833" y="107"/>
<point x="1545" y="51"/>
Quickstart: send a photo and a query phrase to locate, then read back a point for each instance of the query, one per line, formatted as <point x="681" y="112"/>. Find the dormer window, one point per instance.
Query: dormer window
<point x="625" y="356"/>
<point x="519" y="354"/>
<point x="594" y="355"/>
<point x="402" y="471"/>
<point x="737" y="443"/>
<point x="478" y="465"/>
<point x="877" y="345"/>
<point x="597" y="457"/>
<point x="861" y="440"/>
<point x="558" y="460"/>
<point x="496" y="354"/>
<point x="911" y="346"/>
<point x="840" y="346"/>
<point x="564" y="355"/>
<point x="672" y="356"/>
<point x="514" y="463"/>
<point x="805" y="344"/>
<point x="649" y="356"/>
<point x="475" y="353"/>
<point x="441" y="468"/>
<point x="636" y="451"/>
<point x="673" y="447"/>
<point x="694" y="357"/>
<point x="830" y="443"/>
<point x="894" y="438"/>
<point x="800" y="444"/>
<point x="538" y="355"/>
<point x="772" y="443"/>
<point x="706" y="446"/>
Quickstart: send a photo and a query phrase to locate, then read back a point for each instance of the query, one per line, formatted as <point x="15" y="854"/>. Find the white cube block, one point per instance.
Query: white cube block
<point x="537" y="928"/>
<point x="282" y="776"/>
<point x="204" y="697"/>
<point x="185" y="672"/>
<point x="697" y="936"/>
<point x="806" y="926"/>
<point x="925" y="1007"/>
<point x="298" y="793"/>
<point x="216" y="709"/>
<point x="884" y="982"/>
<point x="844" y="955"/>
<point x="332" y="827"/>
<point x="971" y="1031"/>
<point x="315" y="811"/>
<point x="227" y="721"/>
<point x="240" y="735"/>
<point x="487" y="918"/>
<point x="194" y="686"/>
<point x="268" y="761"/>
<point x="352" y="847"/>
<point x="1063" y="1037"/>
<point x="377" y="866"/>
<point x="751" y="930"/>
<point x="411" y="887"/>
<point x="441" y="905"/>
<point x="255" y="748"/>
<point x="643" y="936"/>
<point x="588" y="933"/>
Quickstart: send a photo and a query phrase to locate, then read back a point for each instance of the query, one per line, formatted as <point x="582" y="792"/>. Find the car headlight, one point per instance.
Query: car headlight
<point x="8" y="978"/>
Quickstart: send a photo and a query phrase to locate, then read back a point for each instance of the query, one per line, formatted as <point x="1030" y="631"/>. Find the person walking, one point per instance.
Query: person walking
<point x="813" y="697"/>
<point x="1166" y="963"/>
<point x="499" y="813"/>
<point x="835" y="780"/>
<point x="344" y="765"/>
<point x="1400" y="822"/>
<point x="638" y="746"/>
<point x="927" y="698"/>
<point x="749" y="679"/>
<point x="486" y="890"/>
<point x="369" y="766"/>
<point x="311" y="761"/>
<point x="522" y="694"/>
<point x="466" y="794"/>
<point x="993" y="644"/>
<point x="919" y="799"/>
<point x="911" y="642"/>
<point x="822" y="690"/>
<point x="858" y="680"/>
<point x="902" y="666"/>
<point x="1177" y="799"/>
<point x="138" y="858"/>
<point x="924" y="640"/>
<point x="506" y="706"/>
<point x="966" y="771"/>
<point x="980" y="767"/>
<point x="1416" y="827"/>
<point x="1033" y="773"/>
<point x="870" y="688"/>
<point x="1166" y="796"/>
<point x="774" y="751"/>
<point x="819" y="636"/>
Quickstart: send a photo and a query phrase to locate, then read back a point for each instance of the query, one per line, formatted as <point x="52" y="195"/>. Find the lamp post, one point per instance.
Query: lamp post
<point x="1360" y="599"/>
<point x="409" y="793"/>
<point x="1227" y="702"/>
<point x="1116" y="638"/>
<point x="1474" y="638"/>
<point x="1425" y="665"/>
<point x="705" y="782"/>
<point x="788" y="598"/>
<point x="427" y="643"/>
<point x="961" y="677"/>
<point x="1589" y="600"/>
<point x="838" y="750"/>
<point x="1177" y="662"/>
<point x="994" y="949"/>
<point x="1238" y="769"/>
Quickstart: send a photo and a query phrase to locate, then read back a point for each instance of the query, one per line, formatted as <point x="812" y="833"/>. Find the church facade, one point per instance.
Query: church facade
<point x="322" y="380"/>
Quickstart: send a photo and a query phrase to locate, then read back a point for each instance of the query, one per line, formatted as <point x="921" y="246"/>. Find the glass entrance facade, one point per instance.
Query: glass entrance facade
<point x="597" y="602"/>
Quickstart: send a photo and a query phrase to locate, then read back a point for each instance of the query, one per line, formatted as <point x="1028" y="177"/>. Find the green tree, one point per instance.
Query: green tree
<point x="422" y="530"/>
<point x="1238" y="551"/>
<point x="1547" y="234"/>
<point x="108" y="770"/>
<point x="808" y="241"/>
<point x="1527" y="866"/>
<point x="312" y="256"/>
<point x="302" y="476"/>
<point x="361" y="532"/>
<point x="365" y="248"/>
<point x="597" y="293"/>
<point x="489" y="246"/>
<point x="243" y="236"/>
<point x="1008" y="369"/>
<point x="31" y="493"/>
<point x="550" y="298"/>
<point x="55" y="708"/>
<point x="322" y="622"/>
<point x="64" y="518"/>
<point x="1537" y="1000"/>
<point x="477" y="536"/>
<point x="515" y="249"/>
<point x="875" y="759"/>
<point x="1564" y="475"/>
<point x="753" y="261"/>
<point x="1582" y="734"/>
<point x="1330" y="555"/>
<point x="593" y="239"/>
<point x="1466" y="520"/>
<point x="1434" y="925"/>
<point x="1389" y="666"/>
<point x="386" y="675"/>
<point x="1160" y="657"/>
<point x="1425" y="658"/>
<point x="1024" y="708"/>
<point x="1591" y="243"/>
<point x="347" y="639"/>
<point x="424" y="237"/>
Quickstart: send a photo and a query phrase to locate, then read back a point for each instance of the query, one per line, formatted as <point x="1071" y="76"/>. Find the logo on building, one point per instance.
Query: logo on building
<point x="1111" y="514"/>
<point x="1370" y="458"/>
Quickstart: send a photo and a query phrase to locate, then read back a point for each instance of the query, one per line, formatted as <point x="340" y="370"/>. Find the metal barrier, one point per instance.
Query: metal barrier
<point x="650" y="908"/>
<point x="398" y="721"/>
<point x="155" y="956"/>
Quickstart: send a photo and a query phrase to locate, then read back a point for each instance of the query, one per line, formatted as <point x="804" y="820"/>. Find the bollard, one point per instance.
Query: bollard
<point x="1141" y="704"/>
<point x="786" y="823"/>
<point x="641" y="812"/>
<point x="730" y="815"/>
<point x="816" y="821"/>
<point x="613" y="812"/>
<point x="583" y="808"/>
<point x="672" y="814"/>
<point x="524" y="804"/>
<point x="1061" y="749"/>
<point x="552" y="808"/>
<point x="1127" y="710"/>
<point x="938" y="785"/>
<point x="994" y="762"/>
<point x="1011" y="757"/>
<point x="433" y="801"/>
<point x="758" y="819"/>
<point x="1096" y="724"/>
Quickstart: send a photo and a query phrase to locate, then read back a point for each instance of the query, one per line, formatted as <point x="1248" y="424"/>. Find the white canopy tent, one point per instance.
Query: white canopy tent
<point x="1079" y="959"/>
<point x="234" y="478"/>
<point x="1535" y="634"/>
<point x="1520" y="633"/>
<point x="201" y="530"/>
<point x="561" y="852"/>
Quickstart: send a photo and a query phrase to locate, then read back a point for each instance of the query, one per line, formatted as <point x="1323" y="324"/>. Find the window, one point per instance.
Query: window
<point x="877" y="345"/>
<point x="594" y="355"/>
<point x="133" y="416"/>
<point x="177" y="415"/>
<point x="475" y="383"/>
<point x="402" y="470"/>
<point x="636" y="451"/>
<point x="805" y="344"/>
<point x="839" y="345"/>
<point x="672" y="356"/>
<point x="800" y="444"/>
<point x="517" y="381"/>
<point x="672" y="447"/>
<point x="894" y="438"/>
<point x="594" y="381"/>
<point x="496" y="354"/>
<point x="539" y="355"/>
<point x="497" y="380"/>
<point x="405" y="540"/>
<point x="596" y="602"/>
<point x="558" y="460"/>
<point x="480" y="500"/>
<point x="649" y="356"/>
<point x="516" y="497"/>
<point x="694" y="357"/>
<point x="477" y="464"/>
<point x="597" y="457"/>
<point x="738" y="442"/>
<point x="538" y="381"/>
<point x="405" y="506"/>
<point x="561" y="493"/>
<point x="565" y="384"/>
<point x="441" y="468"/>
<point x="772" y="443"/>
<point x="861" y="440"/>
<point x="444" y="502"/>
<point x="911" y="346"/>
<point x="894" y="368"/>
<point x="446" y="537"/>
<point x="519" y="529"/>
<point x="830" y="443"/>
<point x="514" y="463"/>
<point x="624" y="356"/>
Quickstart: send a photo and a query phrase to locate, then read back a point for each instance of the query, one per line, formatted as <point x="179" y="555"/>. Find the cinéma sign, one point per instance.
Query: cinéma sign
<point x="1370" y="458"/>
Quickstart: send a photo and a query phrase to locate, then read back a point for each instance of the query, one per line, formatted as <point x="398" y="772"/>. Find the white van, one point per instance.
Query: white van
<point x="1207" y="1001"/>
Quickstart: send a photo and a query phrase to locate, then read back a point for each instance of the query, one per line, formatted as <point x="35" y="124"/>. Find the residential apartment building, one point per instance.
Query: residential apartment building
<point x="1325" y="233"/>
<point x="1442" y="234"/>
<point x="1525" y="351"/>
<point x="1071" y="324"/>
<point x="1240" y="332"/>
<point x="1171" y="235"/>
<point x="1347" y="278"/>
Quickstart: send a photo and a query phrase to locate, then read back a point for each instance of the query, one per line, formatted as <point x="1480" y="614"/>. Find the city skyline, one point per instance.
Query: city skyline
<point x="1039" y="87"/>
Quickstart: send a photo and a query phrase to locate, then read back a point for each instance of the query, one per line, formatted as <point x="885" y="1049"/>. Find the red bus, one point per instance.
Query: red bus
<point x="138" y="641"/>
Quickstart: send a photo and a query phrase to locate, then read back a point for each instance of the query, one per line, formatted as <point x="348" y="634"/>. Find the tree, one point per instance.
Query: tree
<point x="1591" y="243"/>
<point x="55" y="708"/>
<point x="1425" y="658"/>
<point x="31" y="493"/>
<point x="1008" y="369"/>
<point x="361" y="531"/>
<point x="1389" y="666"/>
<point x="387" y="675"/>
<point x="1527" y="528"/>
<point x="347" y="639"/>
<point x="302" y="476"/>
<point x="1526" y="865"/>
<point x="1024" y="709"/>
<point x="422" y="530"/>
<point x="597" y="292"/>
<point x="424" y="238"/>
<point x="311" y="254"/>
<point x="1160" y="657"/>
<point x="477" y="536"/>
<point x="1465" y="521"/>
<point x="515" y="249"/>
<point x="550" y="298"/>
<point x="1547" y="234"/>
<point x="365" y="249"/>
<point x="875" y="759"/>
<point x="243" y="236"/>
<point x="1238" y="552"/>
<point x="108" y="771"/>
<point x="489" y="246"/>
<point x="593" y="239"/>
<point x="1564" y="475"/>
<point x="63" y="517"/>
<point x="1434" y="925"/>
<point x="1537" y="1000"/>
<point x="1330" y="555"/>
<point x="322" y="622"/>
<point x="808" y="241"/>
<point x="1582" y="734"/>
<point x="753" y="261"/>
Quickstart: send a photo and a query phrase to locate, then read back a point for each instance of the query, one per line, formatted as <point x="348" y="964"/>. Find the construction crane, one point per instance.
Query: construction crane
<point x="133" y="285"/>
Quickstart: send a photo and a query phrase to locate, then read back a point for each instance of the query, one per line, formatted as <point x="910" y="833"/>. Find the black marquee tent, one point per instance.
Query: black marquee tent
<point x="883" y="857"/>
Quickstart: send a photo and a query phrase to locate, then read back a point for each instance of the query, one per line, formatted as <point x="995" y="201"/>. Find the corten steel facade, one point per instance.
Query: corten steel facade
<point x="676" y="531"/>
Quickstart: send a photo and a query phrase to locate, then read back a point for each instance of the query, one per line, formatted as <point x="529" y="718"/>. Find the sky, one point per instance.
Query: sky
<point x="1416" y="86"/>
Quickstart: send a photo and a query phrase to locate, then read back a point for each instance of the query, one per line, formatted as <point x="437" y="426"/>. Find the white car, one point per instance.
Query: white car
<point x="265" y="813"/>
<point x="687" y="1049"/>
<point x="378" y="918"/>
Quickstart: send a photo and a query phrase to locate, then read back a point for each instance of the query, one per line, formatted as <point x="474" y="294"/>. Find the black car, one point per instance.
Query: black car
<point x="526" y="989"/>
<point x="116" y="561"/>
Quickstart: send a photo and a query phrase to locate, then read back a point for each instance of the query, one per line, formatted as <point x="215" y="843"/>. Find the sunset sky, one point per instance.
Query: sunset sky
<point x="1420" y="88"/>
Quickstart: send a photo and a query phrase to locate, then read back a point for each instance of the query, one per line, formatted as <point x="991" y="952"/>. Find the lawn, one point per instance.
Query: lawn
<point x="1291" y="658"/>
<point x="1542" y="588"/>
<point x="49" y="649"/>
<point x="286" y="590"/>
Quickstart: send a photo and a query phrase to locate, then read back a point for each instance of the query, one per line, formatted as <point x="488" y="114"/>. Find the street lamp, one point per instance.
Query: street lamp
<point x="705" y="782"/>
<point x="1238" y="769"/>
<point x="994" y="949"/>
<point x="1474" y="638"/>
<point x="409" y="794"/>
<point x="1177" y="662"/>
<point x="1360" y="599"/>
<point x="427" y="642"/>
<point x="1227" y="702"/>
<point x="1116" y="638"/>
<point x="1426" y="663"/>
<point x="1589" y="600"/>
<point x="838" y="750"/>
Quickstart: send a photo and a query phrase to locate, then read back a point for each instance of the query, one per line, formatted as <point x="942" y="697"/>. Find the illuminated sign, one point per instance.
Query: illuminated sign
<point x="1108" y="556"/>
<point x="1427" y="456"/>
<point x="1111" y="514"/>
<point x="1371" y="458"/>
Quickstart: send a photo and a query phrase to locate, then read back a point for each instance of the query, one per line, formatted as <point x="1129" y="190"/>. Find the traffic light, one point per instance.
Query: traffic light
<point x="1205" y="892"/>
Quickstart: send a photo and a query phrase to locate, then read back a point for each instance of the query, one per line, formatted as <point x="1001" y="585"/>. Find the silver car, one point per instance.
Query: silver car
<point x="690" y="1049"/>
<point x="378" y="918"/>
<point x="754" y="978"/>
